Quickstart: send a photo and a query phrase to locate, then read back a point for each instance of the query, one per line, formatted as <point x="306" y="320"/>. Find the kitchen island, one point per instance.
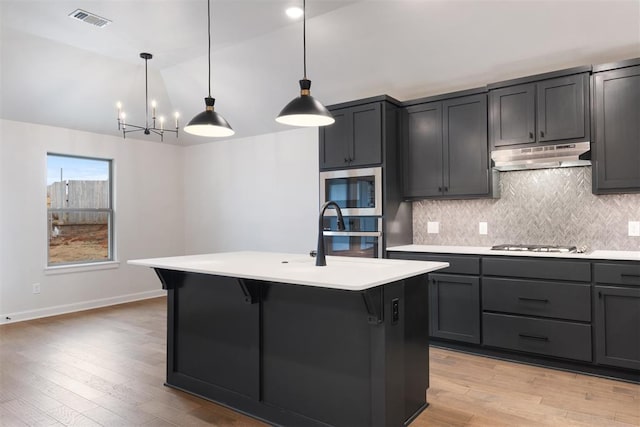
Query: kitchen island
<point x="275" y="337"/>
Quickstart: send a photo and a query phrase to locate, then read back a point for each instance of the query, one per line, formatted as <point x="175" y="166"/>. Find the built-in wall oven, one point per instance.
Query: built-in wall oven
<point x="362" y="237"/>
<point x="358" y="192"/>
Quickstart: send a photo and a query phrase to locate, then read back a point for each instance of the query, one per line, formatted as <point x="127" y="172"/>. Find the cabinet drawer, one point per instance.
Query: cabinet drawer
<point x="537" y="268"/>
<point x="541" y="336"/>
<point x="457" y="264"/>
<point x="571" y="301"/>
<point x="618" y="274"/>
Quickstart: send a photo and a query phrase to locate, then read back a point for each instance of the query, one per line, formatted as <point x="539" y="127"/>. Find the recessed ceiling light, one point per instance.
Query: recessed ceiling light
<point x="294" y="12"/>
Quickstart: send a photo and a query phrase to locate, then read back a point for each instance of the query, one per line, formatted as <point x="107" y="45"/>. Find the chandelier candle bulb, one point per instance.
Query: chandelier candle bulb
<point x="162" y="123"/>
<point x="153" y="109"/>
<point x="177" y="115"/>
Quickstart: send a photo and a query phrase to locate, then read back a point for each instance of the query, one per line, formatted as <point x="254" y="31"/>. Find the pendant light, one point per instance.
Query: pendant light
<point x="209" y="122"/>
<point x="305" y="110"/>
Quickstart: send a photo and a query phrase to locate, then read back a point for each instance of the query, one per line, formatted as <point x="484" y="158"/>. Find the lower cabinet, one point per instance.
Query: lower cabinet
<point x="616" y="299"/>
<point x="550" y="317"/>
<point x="454" y="296"/>
<point x="548" y="337"/>
<point x="454" y="305"/>
<point x="576" y="313"/>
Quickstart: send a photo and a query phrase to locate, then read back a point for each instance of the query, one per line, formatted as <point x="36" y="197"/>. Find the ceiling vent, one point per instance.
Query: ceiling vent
<point x="89" y="18"/>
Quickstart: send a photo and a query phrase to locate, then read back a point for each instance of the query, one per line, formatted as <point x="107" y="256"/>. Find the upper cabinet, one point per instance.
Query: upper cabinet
<point x="616" y="114"/>
<point x="552" y="110"/>
<point x="355" y="139"/>
<point x="445" y="149"/>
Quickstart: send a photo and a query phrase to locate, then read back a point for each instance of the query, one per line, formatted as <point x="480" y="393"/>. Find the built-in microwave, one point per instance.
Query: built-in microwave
<point x="358" y="192"/>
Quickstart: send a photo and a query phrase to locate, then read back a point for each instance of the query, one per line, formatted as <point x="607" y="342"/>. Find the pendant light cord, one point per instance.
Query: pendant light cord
<point x="209" y="33"/>
<point x="304" y="37"/>
<point x="146" y="95"/>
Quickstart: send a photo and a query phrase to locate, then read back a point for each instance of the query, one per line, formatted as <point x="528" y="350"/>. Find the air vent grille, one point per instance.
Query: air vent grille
<point x="89" y="18"/>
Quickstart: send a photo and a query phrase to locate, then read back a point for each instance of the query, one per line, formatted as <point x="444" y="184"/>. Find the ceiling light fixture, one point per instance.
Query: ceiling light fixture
<point x="294" y="12"/>
<point x="305" y="110"/>
<point x="209" y="122"/>
<point x="122" y="124"/>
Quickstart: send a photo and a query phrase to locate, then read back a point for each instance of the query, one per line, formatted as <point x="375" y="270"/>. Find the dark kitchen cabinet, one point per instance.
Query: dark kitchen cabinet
<point x="616" y="143"/>
<point x="513" y="115"/>
<point x="537" y="306"/>
<point x="354" y="140"/>
<point x="454" y="304"/>
<point x="617" y="314"/>
<point x="445" y="149"/>
<point x="553" y="110"/>
<point x="423" y="161"/>
<point x="454" y="296"/>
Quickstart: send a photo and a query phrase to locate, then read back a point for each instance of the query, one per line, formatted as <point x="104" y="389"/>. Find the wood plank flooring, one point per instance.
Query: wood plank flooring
<point x="106" y="367"/>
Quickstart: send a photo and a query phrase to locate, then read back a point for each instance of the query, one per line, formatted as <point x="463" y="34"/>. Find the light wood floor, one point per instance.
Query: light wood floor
<point x="106" y="367"/>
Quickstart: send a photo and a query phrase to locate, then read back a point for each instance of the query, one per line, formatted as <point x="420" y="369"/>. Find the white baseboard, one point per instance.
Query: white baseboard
<point x="79" y="306"/>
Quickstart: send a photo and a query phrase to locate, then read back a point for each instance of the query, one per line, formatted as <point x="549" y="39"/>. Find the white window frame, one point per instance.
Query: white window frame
<point x="110" y="262"/>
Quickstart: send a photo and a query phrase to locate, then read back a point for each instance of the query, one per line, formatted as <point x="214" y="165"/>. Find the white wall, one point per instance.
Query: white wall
<point x="257" y="193"/>
<point x="148" y="214"/>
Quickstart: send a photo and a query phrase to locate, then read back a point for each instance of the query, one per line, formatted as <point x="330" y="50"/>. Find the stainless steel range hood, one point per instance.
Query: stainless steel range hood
<point x="543" y="157"/>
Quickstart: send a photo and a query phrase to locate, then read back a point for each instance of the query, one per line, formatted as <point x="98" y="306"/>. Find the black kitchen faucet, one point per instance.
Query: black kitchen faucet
<point x="320" y="258"/>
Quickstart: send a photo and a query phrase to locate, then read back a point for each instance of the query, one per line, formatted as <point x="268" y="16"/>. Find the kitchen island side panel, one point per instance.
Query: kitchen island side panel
<point x="300" y="355"/>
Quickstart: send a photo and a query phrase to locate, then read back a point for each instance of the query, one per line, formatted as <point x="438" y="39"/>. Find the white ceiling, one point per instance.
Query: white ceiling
<point x="61" y="72"/>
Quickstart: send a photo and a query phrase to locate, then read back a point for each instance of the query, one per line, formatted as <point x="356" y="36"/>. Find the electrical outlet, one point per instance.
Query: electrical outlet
<point x="483" y="228"/>
<point x="634" y="228"/>
<point x="433" y="227"/>
<point x="36" y="288"/>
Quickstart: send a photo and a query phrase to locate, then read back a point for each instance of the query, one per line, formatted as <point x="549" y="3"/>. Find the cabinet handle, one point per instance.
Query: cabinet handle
<point x="446" y="189"/>
<point x="346" y="160"/>
<point x="541" y="134"/>
<point x="533" y="299"/>
<point x="439" y="189"/>
<point x="629" y="275"/>
<point x="534" y="337"/>
<point x="599" y="295"/>
<point x="530" y="135"/>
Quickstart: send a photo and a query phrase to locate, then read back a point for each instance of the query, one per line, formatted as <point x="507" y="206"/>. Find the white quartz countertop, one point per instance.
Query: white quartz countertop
<point x="346" y="273"/>
<point x="486" y="250"/>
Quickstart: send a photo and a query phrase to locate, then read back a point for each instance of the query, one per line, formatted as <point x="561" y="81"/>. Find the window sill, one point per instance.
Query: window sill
<point x="80" y="268"/>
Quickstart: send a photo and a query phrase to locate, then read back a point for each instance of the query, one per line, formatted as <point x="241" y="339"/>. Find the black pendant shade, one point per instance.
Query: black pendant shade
<point x="305" y="110"/>
<point x="209" y="123"/>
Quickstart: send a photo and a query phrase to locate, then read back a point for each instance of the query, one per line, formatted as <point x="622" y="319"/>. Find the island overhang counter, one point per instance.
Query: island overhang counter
<point x="277" y="338"/>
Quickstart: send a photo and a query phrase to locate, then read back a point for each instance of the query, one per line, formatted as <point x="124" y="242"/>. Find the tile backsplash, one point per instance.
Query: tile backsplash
<point x="546" y="206"/>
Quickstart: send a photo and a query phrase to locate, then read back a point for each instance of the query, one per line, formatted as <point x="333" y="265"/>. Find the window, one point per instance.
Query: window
<point x="79" y="210"/>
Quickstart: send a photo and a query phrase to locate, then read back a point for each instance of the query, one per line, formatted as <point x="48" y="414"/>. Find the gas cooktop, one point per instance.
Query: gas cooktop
<point x="537" y="248"/>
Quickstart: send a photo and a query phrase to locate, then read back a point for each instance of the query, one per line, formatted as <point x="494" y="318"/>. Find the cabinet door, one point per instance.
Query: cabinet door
<point x="335" y="140"/>
<point x="562" y="108"/>
<point x="366" y="148"/>
<point x="616" y="146"/>
<point x="466" y="159"/>
<point x="513" y="115"/>
<point x="423" y="151"/>
<point x="454" y="302"/>
<point x="617" y="326"/>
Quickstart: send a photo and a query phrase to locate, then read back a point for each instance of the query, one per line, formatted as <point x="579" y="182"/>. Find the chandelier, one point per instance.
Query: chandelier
<point x="146" y="129"/>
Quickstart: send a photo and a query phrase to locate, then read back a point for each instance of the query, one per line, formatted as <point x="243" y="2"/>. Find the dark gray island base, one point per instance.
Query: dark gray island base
<point x="300" y="355"/>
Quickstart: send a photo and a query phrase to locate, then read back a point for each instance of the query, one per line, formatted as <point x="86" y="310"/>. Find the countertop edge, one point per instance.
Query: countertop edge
<point x="402" y="269"/>
<point x="596" y="255"/>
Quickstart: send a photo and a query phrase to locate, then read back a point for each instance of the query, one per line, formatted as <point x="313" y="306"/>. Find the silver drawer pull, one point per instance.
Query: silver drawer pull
<point x="533" y="299"/>
<point x="534" y="337"/>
